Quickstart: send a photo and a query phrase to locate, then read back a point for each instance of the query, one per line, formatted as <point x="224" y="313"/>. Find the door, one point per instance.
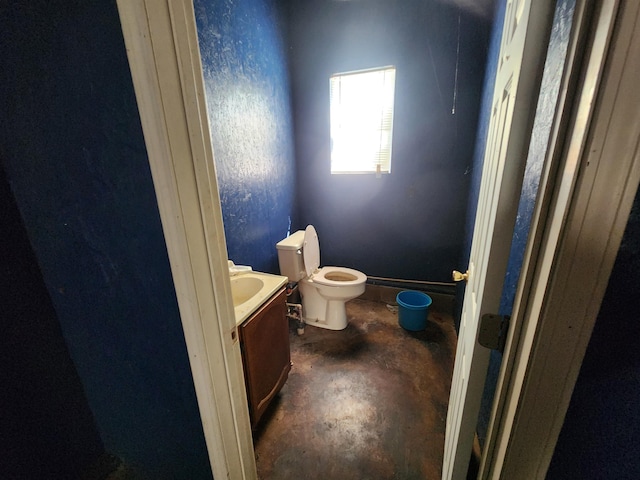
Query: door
<point x="524" y="40"/>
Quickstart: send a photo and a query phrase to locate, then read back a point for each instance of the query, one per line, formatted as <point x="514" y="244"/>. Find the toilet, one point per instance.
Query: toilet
<point x="325" y="290"/>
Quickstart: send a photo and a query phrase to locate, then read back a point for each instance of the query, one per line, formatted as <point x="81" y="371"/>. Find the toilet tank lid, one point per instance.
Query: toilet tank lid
<point x="292" y="242"/>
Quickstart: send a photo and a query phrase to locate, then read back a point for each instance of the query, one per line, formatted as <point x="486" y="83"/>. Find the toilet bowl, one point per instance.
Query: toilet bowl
<point x="325" y="290"/>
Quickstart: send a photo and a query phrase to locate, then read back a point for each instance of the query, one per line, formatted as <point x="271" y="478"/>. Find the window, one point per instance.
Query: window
<point x="362" y="121"/>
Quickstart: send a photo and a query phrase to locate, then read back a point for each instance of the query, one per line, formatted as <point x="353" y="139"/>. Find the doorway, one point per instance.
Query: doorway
<point x="193" y="321"/>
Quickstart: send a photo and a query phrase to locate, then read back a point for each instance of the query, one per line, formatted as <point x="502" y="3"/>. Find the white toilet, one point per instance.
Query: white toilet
<point x="325" y="290"/>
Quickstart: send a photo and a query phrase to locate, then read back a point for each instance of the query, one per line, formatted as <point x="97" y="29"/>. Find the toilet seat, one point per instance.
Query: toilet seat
<point x="328" y="276"/>
<point x="338" y="277"/>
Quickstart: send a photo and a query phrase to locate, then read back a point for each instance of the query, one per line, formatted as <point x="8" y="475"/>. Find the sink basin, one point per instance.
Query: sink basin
<point x="243" y="288"/>
<point x="251" y="290"/>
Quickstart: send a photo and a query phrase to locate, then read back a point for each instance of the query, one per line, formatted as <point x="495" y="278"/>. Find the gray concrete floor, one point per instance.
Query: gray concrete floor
<point x="367" y="402"/>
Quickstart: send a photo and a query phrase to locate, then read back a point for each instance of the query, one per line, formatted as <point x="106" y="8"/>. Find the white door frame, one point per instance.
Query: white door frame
<point x="162" y="46"/>
<point x="523" y="47"/>
<point x="587" y="189"/>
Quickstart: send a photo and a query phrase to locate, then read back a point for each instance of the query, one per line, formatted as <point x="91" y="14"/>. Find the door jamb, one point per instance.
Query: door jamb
<point x="561" y="125"/>
<point x="579" y="224"/>
<point x="162" y="46"/>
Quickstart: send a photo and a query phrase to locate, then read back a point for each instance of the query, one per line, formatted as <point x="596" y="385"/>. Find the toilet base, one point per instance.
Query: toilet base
<point x="335" y="317"/>
<point x="324" y="307"/>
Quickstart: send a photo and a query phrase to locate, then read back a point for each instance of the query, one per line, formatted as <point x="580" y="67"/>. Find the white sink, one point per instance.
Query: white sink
<point x="251" y="290"/>
<point x="243" y="288"/>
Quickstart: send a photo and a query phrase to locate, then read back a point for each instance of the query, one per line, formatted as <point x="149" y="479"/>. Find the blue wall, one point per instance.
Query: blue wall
<point x="72" y="147"/>
<point x="545" y="111"/>
<point x="46" y="427"/>
<point x="409" y="224"/>
<point x="247" y="89"/>
<point x="419" y="208"/>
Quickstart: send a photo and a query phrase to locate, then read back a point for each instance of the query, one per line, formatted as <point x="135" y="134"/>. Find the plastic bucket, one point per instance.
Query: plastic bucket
<point x="413" y="309"/>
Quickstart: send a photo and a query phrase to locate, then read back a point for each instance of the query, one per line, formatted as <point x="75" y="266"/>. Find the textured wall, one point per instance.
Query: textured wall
<point x="72" y="146"/>
<point x="545" y="111"/>
<point x="247" y="90"/>
<point x="409" y="224"/>
<point x="46" y="426"/>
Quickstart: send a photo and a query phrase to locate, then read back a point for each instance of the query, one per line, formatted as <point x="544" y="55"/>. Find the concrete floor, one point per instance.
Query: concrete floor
<point x="367" y="402"/>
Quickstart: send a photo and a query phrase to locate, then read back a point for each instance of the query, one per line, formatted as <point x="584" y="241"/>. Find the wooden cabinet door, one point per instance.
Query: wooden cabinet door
<point x="264" y="340"/>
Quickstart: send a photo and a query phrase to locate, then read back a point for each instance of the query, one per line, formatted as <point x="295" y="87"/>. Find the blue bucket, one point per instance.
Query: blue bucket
<point x="413" y="309"/>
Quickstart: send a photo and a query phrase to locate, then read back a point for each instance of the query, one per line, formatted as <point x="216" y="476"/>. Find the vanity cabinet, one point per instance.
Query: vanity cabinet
<point x="264" y="341"/>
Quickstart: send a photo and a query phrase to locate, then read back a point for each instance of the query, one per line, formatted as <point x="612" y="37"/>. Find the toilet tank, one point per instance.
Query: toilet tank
<point x="290" y="256"/>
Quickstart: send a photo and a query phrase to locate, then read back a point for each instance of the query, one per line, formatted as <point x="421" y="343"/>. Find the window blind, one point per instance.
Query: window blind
<point x="361" y="118"/>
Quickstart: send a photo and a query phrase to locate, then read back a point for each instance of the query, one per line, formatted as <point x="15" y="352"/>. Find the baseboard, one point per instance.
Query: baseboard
<point x="442" y="302"/>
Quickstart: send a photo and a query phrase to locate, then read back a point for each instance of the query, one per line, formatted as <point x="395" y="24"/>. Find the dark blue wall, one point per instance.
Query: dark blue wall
<point x="46" y="426"/>
<point x="599" y="438"/>
<point x="409" y="224"/>
<point x="73" y="150"/>
<point x="247" y="87"/>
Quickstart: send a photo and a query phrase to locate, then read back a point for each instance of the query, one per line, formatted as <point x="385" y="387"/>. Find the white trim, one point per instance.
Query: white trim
<point x="589" y="202"/>
<point x="162" y="46"/>
<point x="563" y="113"/>
<point x="527" y="26"/>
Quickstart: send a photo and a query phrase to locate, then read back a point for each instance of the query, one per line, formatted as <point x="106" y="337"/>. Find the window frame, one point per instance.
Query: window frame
<point x="355" y="123"/>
